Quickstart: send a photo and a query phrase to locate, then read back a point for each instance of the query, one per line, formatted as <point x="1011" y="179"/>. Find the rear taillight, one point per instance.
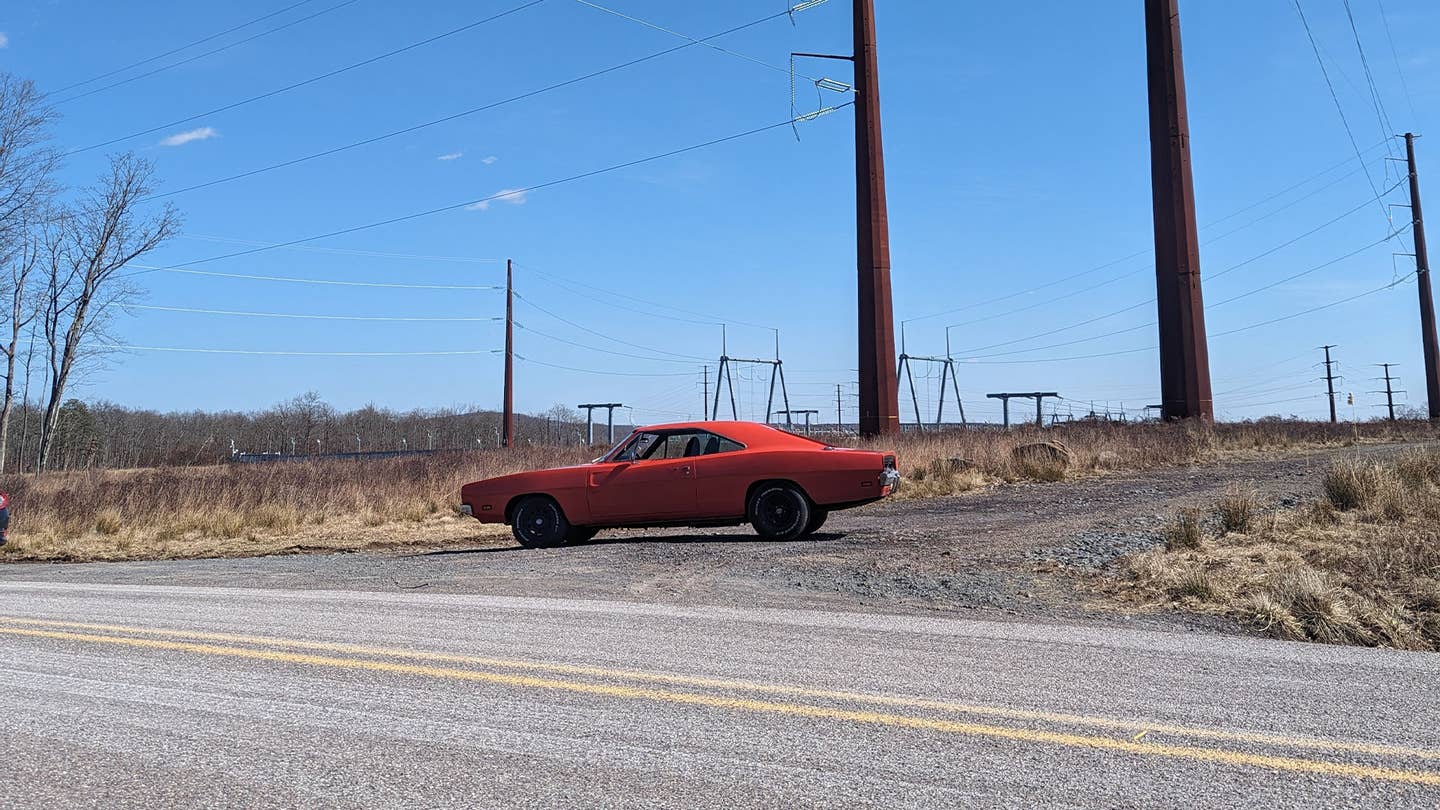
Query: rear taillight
<point x="889" y="462"/>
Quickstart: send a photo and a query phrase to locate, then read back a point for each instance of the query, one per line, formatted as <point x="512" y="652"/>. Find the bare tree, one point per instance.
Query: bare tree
<point x="27" y="168"/>
<point x="95" y="239"/>
<point x="22" y="311"/>
<point x="27" y="160"/>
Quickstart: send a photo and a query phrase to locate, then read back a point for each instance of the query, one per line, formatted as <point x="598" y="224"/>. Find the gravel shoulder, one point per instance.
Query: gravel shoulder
<point x="1017" y="550"/>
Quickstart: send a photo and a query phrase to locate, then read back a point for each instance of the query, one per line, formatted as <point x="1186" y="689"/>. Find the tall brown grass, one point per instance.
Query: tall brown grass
<point x="965" y="460"/>
<point x="1359" y="566"/>
<point x="254" y="508"/>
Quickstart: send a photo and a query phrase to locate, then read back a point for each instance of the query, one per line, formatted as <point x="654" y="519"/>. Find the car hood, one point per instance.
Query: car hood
<point x="557" y="476"/>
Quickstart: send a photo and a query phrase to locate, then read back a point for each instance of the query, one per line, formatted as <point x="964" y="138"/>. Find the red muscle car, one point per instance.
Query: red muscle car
<point x="687" y="474"/>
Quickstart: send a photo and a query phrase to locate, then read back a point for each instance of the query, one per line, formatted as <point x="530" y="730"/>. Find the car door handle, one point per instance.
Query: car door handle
<point x="685" y="471"/>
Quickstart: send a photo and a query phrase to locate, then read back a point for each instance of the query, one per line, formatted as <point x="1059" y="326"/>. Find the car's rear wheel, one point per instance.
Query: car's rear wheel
<point x="779" y="511"/>
<point x="817" y="519"/>
<point x="538" y="522"/>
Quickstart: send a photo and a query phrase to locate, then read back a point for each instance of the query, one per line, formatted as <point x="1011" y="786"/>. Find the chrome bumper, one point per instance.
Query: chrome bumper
<point x="891" y="479"/>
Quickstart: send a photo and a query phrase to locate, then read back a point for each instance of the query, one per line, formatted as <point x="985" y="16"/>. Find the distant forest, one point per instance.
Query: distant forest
<point x="103" y="434"/>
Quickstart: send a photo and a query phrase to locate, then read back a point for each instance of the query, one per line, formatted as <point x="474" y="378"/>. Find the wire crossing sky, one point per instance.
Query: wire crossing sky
<point x="354" y="173"/>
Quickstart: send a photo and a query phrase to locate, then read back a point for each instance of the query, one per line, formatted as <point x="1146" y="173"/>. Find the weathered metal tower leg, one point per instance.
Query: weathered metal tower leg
<point x="507" y="420"/>
<point x="1422" y="281"/>
<point x="1184" y="357"/>
<point x="879" y="386"/>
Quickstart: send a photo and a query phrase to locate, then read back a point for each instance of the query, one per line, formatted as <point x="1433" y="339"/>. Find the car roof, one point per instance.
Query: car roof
<point x="750" y="434"/>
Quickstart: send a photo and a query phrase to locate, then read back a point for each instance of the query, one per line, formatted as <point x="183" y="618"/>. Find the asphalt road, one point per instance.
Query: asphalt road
<point x="143" y="695"/>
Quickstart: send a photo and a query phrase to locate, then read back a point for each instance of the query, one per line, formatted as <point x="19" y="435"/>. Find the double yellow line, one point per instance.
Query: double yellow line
<point x="1134" y="739"/>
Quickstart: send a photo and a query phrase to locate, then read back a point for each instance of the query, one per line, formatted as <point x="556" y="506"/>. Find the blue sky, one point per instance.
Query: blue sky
<point x="1016" y="153"/>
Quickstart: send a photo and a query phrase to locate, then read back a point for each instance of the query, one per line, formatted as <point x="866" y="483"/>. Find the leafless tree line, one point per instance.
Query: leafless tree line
<point x="105" y="435"/>
<point x="63" y="252"/>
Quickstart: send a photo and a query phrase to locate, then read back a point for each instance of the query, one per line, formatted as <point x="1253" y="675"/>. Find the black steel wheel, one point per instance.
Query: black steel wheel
<point x="817" y="519"/>
<point x="779" y="511"/>
<point x="538" y="522"/>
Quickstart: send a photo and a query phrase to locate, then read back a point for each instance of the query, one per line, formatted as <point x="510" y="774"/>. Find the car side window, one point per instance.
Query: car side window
<point x="718" y="444"/>
<point x="682" y="445"/>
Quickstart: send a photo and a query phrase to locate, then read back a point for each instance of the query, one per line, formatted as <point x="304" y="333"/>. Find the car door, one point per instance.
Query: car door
<point x="658" y="488"/>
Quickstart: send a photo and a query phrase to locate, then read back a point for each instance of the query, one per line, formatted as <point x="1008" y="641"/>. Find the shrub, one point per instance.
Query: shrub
<point x="107" y="522"/>
<point x="1352" y="484"/>
<point x="1185" y="531"/>
<point x="1236" y="510"/>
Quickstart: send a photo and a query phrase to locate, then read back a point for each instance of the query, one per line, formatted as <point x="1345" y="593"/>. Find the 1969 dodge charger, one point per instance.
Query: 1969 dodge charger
<point x="687" y="474"/>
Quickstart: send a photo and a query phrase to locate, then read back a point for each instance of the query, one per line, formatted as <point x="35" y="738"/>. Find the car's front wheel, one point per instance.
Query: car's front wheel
<point x="538" y="522"/>
<point x="779" y="511"/>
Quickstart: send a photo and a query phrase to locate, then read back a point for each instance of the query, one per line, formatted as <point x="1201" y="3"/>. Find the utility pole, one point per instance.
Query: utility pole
<point x="1422" y="281"/>
<point x="839" y="414"/>
<point x="879" y="384"/>
<point x="1184" y="356"/>
<point x="1330" y="379"/>
<point x="1389" y="391"/>
<point x="507" y="417"/>
<point x="705" y="393"/>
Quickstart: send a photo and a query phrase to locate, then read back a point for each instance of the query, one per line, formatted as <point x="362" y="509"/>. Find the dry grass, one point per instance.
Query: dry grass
<point x="302" y="505"/>
<point x="1237" y="510"/>
<point x="968" y="459"/>
<point x="248" y="509"/>
<point x="1360" y="566"/>
<point x="1185" y="531"/>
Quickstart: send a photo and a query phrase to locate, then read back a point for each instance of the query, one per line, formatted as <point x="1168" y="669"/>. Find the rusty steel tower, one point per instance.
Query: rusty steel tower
<point x="1184" y="357"/>
<point x="1422" y="281"/>
<point x="879" y="383"/>
<point x="507" y="415"/>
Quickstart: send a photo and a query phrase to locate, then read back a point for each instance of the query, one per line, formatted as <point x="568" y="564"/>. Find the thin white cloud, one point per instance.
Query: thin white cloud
<point x="451" y="156"/>
<point x="182" y="138"/>
<point x="488" y="160"/>
<point x="4" y="40"/>
<point x="514" y="196"/>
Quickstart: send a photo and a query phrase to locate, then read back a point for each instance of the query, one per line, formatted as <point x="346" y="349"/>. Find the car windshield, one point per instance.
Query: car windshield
<point x="610" y="454"/>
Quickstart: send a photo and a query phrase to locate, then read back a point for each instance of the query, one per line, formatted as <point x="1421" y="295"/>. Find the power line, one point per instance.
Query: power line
<point x="348" y="251"/>
<point x="1237" y="330"/>
<point x="503" y="194"/>
<point x="1338" y="108"/>
<point x="588" y="347"/>
<point x="1151" y="300"/>
<point x="192" y="350"/>
<point x="211" y="52"/>
<point x="519" y="356"/>
<point x="694" y="41"/>
<point x="1382" y="117"/>
<point x="146" y="268"/>
<point x="685" y="357"/>
<point x="462" y="114"/>
<point x="1314" y="269"/>
<point x="192" y="44"/>
<point x="712" y="320"/>
<point x="1396" y="56"/>
<point x="313" y="79"/>
<point x="1147" y="251"/>
<point x="199" y="311"/>
<point x="1356" y="297"/>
